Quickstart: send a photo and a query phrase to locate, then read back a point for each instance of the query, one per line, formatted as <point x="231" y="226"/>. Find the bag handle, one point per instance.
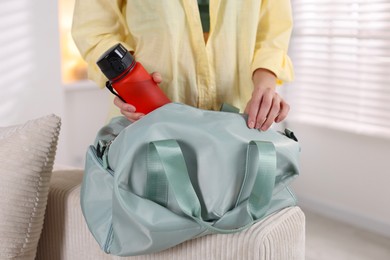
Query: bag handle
<point x="229" y="108"/>
<point x="166" y="167"/>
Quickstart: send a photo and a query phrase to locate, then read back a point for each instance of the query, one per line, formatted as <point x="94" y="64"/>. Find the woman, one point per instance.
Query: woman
<point x="239" y="61"/>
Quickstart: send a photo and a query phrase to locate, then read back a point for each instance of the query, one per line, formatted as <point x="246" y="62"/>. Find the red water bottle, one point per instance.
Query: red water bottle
<point x="130" y="81"/>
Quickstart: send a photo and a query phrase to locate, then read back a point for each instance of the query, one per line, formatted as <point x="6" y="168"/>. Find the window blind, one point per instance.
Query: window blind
<point x="16" y="66"/>
<point x="341" y="54"/>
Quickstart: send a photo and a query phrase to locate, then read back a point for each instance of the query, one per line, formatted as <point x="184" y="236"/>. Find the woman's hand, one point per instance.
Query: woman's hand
<point x="265" y="105"/>
<point x="128" y="110"/>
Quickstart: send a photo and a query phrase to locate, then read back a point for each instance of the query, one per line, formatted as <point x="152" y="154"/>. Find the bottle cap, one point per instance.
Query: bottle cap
<point x="115" y="61"/>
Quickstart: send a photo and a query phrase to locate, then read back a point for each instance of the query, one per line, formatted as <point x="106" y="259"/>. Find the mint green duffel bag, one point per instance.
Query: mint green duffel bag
<point x="181" y="173"/>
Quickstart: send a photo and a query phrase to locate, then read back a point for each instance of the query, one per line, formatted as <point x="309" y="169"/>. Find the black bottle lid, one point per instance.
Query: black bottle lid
<point x="115" y="61"/>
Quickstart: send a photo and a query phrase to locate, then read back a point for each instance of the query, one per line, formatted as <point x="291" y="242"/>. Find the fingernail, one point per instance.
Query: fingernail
<point x="251" y="124"/>
<point x="258" y="126"/>
<point x="129" y="107"/>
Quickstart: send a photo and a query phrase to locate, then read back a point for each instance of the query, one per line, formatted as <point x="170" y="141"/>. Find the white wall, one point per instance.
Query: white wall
<point x="30" y="84"/>
<point x="86" y="111"/>
<point x="30" y="78"/>
<point x="345" y="176"/>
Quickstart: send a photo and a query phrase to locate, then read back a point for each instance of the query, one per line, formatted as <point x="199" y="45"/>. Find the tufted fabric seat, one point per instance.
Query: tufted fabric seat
<point x="65" y="234"/>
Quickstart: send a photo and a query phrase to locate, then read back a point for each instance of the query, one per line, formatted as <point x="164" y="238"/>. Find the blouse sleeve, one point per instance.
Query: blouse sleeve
<point x="97" y="26"/>
<point x="272" y="40"/>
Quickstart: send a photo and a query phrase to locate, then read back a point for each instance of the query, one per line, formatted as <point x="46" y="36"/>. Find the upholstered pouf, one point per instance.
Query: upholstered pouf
<point x="280" y="236"/>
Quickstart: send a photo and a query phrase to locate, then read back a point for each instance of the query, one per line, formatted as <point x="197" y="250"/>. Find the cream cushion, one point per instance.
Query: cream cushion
<point x="27" y="153"/>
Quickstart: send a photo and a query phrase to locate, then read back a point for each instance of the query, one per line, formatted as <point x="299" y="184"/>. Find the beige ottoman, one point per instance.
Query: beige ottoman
<point x="65" y="234"/>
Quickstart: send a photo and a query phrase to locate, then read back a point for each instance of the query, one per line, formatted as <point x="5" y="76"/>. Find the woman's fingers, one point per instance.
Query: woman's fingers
<point x="156" y="77"/>
<point x="264" y="108"/>
<point x="129" y="111"/>
<point x="284" y="109"/>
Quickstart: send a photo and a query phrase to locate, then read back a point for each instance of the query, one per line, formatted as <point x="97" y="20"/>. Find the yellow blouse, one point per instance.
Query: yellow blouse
<point x="167" y="36"/>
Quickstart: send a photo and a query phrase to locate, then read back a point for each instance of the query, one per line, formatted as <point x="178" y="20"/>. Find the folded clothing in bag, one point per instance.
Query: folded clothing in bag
<point x="180" y="173"/>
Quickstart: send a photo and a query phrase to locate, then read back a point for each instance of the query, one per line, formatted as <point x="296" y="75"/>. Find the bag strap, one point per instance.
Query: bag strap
<point x="166" y="167"/>
<point x="165" y="164"/>
<point x="260" y="166"/>
<point x="229" y="108"/>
